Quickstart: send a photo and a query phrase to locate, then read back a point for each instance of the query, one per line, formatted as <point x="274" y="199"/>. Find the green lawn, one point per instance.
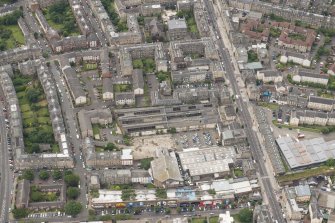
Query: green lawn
<point x="122" y="87"/>
<point x="235" y="216"/>
<point x="46" y="127"/>
<point x="297" y="36"/>
<point x="303" y="128"/>
<point x="214" y="219"/>
<point x="17" y="33"/>
<point x="28" y="121"/>
<point x="37" y="126"/>
<point x="23" y="101"/>
<point x="96" y="129"/>
<point x="44" y="120"/>
<point x="28" y="130"/>
<point x="42" y="196"/>
<point x="238" y="173"/>
<point x="327" y="95"/>
<point x="272" y="106"/>
<point x="90" y="66"/>
<point x="54" y="25"/>
<point x="25" y="108"/>
<point x="199" y="220"/>
<point x="322" y="170"/>
<point x="55" y="148"/>
<point x="42" y="103"/>
<point x="68" y="17"/>
<point x="27" y="114"/>
<point x="43" y="112"/>
<point x="192" y="26"/>
<point x="16" y="39"/>
<point x="21" y="94"/>
<point x="99" y="149"/>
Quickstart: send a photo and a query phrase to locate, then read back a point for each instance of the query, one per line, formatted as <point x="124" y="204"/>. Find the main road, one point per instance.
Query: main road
<point x="246" y="120"/>
<point x="72" y="128"/>
<point x="6" y="175"/>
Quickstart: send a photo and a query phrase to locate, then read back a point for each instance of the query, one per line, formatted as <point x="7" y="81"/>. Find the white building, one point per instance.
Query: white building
<point x="125" y="98"/>
<point x="319" y="103"/>
<point x="107" y="89"/>
<point x="295" y="58"/>
<point x="226" y="218"/>
<point x="311" y="77"/>
<point x="242" y="55"/>
<point x="269" y="76"/>
<point x="138" y="82"/>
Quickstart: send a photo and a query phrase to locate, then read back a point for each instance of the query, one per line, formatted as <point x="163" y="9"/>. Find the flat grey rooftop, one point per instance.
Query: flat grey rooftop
<point x="177" y="24"/>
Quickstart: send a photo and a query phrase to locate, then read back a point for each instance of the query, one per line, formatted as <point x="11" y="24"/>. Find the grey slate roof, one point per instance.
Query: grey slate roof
<point x="311" y="74"/>
<point x="177" y="24"/>
<point x="138" y="80"/>
<point x="107" y="85"/>
<point x="321" y="100"/>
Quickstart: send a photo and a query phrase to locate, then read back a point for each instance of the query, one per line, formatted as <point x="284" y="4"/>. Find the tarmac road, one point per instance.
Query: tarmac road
<point x="247" y="121"/>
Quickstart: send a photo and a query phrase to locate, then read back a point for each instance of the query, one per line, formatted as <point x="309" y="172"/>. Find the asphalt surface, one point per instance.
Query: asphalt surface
<point x="72" y="127"/>
<point x="156" y="217"/>
<point x="6" y="175"/>
<point x="95" y="24"/>
<point x="247" y="122"/>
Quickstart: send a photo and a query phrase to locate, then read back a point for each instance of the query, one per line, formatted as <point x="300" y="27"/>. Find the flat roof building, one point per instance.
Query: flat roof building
<point x="210" y="161"/>
<point x="74" y="86"/>
<point x="181" y="117"/>
<point x="177" y="29"/>
<point x="165" y="171"/>
<point x="97" y="116"/>
<point x="307" y="152"/>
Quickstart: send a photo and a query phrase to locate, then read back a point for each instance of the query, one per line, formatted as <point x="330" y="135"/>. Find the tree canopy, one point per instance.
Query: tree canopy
<point x="111" y="147"/>
<point x="330" y="162"/>
<point x="11" y="18"/>
<point x="34" y="148"/>
<point x="20" y="213"/>
<point x="137" y="64"/>
<point x="72" y="192"/>
<point x="121" y="25"/>
<point x="245" y="215"/>
<point x="28" y="175"/>
<point x="60" y="13"/>
<point x="72" y="180"/>
<point x="73" y="208"/>
<point x="57" y="174"/>
<point x="162" y="76"/>
<point x="145" y="163"/>
<point x="44" y="175"/>
<point x="33" y="94"/>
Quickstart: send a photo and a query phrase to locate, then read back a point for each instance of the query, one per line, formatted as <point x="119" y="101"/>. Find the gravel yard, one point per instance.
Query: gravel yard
<point x="145" y="146"/>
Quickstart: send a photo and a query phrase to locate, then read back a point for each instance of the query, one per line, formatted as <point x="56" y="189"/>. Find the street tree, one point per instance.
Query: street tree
<point x="73" y="208"/>
<point x="28" y="175"/>
<point x="245" y="215"/>
<point x="20" y="213"/>
<point x="72" y="180"/>
<point x="57" y="175"/>
<point x="72" y="192"/>
<point x="44" y="175"/>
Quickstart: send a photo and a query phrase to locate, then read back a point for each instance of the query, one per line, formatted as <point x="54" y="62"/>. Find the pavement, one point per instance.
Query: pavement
<point x="246" y="119"/>
<point x="267" y="138"/>
<point x="72" y="127"/>
<point x="6" y="177"/>
<point x="95" y="24"/>
<point x="157" y="217"/>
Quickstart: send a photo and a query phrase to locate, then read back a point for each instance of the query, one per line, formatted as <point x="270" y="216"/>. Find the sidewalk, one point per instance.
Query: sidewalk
<point x="225" y="38"/>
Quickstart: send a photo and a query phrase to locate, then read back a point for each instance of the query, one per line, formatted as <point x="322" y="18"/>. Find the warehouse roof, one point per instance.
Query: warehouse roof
<point x="306" y="152"/>
<point x="207" y="161"/>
